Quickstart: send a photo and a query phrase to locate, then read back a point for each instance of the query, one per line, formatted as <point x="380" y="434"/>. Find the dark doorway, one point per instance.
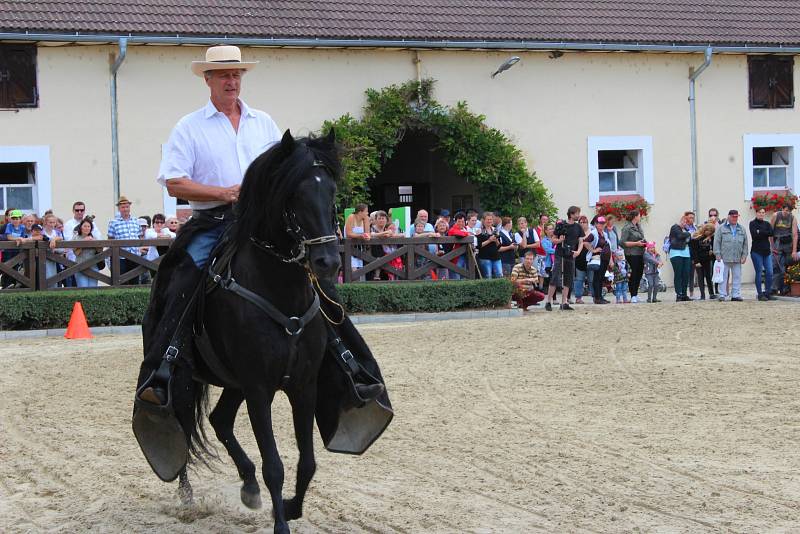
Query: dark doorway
<point x="418" y="176"/>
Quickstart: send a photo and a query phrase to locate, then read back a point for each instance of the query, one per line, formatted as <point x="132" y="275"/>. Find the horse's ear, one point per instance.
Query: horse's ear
<point x="331" y="137"/>
<point x="287" y="142"/>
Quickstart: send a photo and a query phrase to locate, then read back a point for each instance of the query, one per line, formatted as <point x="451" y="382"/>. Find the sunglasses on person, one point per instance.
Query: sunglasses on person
<point x="79" y="210"/>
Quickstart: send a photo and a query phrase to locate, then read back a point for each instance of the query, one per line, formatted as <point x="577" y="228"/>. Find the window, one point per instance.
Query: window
<point x="769" y="162"/>
<point x="770" y="167"/>
<point x="405" y="194"/>
<point x="620" y="166"/>
<point x="771" y="81"/>
<point x="617" y="170"/>
<point x="18" y="76"/>
<point x="16" y="185"/>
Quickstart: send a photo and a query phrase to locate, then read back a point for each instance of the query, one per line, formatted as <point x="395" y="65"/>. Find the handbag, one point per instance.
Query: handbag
<point x="717" y="276"/>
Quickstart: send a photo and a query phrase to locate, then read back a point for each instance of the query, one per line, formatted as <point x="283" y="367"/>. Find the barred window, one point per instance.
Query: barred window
<point x="771" y="81"/>
<point x="18" y="76"/>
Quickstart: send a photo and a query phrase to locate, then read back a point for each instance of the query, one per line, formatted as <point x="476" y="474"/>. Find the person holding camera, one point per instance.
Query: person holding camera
<point x="784" y="243"/>
<point x="489" y="248"/>
<point x="568" y="238"/>
<point x="633" y="243"/>
<point x="680" y="258"/>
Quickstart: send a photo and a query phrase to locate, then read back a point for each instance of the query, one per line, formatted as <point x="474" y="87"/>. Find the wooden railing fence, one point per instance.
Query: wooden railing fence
<point x="26" y="269"/>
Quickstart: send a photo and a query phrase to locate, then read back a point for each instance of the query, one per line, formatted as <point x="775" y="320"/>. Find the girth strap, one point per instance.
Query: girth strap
<point x="293" y="325"/>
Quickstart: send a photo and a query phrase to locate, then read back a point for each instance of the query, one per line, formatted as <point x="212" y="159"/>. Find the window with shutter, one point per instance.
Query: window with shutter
<point x="18" y="76"/>
<point x="771" y="81"/>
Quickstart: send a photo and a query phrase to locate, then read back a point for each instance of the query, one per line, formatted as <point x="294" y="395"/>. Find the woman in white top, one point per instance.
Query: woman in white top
<point x="53" y="235"/>
<point x="158" y="231"/>
<point x="355" y="227"/>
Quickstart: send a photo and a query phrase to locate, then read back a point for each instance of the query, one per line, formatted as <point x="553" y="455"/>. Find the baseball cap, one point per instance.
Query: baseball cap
<point x="601" y="219"/>
<point x="141" y="222"/>
<point x="445" y="213"/>
<point x="36" y="227"/>
<point x="15" y="213"/>
<point x="733" y="212"/>
<point x="650" y="244"/>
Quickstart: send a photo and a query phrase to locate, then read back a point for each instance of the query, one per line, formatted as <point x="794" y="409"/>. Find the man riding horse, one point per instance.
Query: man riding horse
<point x="204" y="162"/>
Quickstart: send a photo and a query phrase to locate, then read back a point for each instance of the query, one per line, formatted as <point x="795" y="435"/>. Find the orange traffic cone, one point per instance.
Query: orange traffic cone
<point x="78" y="328"/>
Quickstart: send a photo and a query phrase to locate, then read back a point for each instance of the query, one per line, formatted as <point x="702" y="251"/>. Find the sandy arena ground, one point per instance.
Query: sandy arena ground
<point x="686" y="418"/>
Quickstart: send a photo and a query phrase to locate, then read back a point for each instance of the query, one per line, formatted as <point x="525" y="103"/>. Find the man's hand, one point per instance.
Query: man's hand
<point x="576" y="254"/>
<point x="744" y="260"/>
<point x="230" y="195"/>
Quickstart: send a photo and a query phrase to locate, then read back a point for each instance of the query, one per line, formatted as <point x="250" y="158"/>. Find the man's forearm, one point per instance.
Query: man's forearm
<point x="188" y="190"/>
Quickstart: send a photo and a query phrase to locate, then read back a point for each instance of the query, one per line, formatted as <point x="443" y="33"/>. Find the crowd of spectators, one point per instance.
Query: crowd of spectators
<point x="22" y="227"/>
<point x="577" y="257"/>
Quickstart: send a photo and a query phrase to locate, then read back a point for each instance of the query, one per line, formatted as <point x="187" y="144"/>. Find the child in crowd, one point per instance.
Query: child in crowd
<point x="652" y="262"/>
<point x="549" y="255"/>
<point x="621" y="274"/>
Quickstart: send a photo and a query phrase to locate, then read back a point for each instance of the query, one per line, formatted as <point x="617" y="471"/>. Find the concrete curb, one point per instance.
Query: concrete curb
<point x="357" y="319"/>
<point x="59" y="332"/>
<point x="441" y="316"/>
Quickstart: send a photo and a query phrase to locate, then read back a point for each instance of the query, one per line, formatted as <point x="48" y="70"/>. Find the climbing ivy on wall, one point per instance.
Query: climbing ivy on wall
<point x="483" y="156"/>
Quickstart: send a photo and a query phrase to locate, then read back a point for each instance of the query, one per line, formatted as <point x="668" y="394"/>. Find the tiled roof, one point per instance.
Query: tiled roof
<point x="758" y="22"/>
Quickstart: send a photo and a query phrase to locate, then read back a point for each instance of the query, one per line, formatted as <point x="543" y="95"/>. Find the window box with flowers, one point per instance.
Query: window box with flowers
<point x="792" y="279"/>
<point x="773" y="201"/>
<point x="621" y="208"/>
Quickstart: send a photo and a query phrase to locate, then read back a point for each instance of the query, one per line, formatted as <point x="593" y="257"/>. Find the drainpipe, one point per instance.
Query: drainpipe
<point x="693" y="75"/>
<point x="417" y="63"/>
<point x="123" y="50"/>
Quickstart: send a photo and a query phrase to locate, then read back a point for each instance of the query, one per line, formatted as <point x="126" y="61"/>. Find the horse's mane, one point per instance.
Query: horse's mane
<point x="272" y="178"/>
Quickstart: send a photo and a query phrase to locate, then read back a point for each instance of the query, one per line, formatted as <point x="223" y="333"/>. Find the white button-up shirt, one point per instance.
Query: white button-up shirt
<point x="205" y="148"/>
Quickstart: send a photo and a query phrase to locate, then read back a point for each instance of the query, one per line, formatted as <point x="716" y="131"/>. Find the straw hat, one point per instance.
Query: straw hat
<point x="123" y="200"/>
<point x="220" y="58"/>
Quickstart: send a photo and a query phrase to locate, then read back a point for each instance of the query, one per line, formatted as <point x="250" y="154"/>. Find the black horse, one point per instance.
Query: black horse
<point x="285" y="213"/>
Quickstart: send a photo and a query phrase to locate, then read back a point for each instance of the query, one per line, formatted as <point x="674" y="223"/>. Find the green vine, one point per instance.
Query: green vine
<point x="481" y="155"/>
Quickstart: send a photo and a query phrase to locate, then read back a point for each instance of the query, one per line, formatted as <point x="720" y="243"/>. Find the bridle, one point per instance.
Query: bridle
<point x="298" y="251"/>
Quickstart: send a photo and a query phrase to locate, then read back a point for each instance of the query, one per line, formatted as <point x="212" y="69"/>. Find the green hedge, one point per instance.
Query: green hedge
<point x="51" y="309"/>
<point x="374" y="297"/>
<point x="115" y="307"/>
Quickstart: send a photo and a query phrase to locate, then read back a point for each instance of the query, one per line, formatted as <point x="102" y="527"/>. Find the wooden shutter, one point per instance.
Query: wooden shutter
<point x="18" y="76"/>
<point x="771" y="81"/>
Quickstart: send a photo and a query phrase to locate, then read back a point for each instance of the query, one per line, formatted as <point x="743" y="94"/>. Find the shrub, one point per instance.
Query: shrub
<point x="424" y="296"/>
<point x="52" y="309"/>
<point x="117" y="307"/>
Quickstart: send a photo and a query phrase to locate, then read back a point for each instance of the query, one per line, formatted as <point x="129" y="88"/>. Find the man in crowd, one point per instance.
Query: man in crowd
<point x="526" y="278"/>
<point x="125" y="226"/>
<point x="422" y="215"/>
<point x="568" y="239"/>
<point x="730" y="246"/>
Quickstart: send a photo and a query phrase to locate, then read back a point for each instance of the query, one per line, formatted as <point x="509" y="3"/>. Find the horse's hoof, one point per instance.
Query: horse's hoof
<point x="251" y="497"/>
<point x="292" y="509"/>
<point x="186" y="495"/>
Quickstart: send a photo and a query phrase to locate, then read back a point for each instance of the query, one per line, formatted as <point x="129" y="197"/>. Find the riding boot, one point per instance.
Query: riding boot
<point x="167" y="334"/>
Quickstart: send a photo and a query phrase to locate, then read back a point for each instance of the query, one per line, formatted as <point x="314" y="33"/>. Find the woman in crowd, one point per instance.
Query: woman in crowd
<point x="83" y="232"/>
<point x="761" y="254"/>
<point x="356" y="228"/>
<point x="713" y="217"/>
<point x="508" y="246"/>
<point x="525" y="237"/>
<point x="172" y="223"/>
<point x="441" y="228"/>
<point x="603" y="249"/>
<point x="632" y="241"/>
<point x="489" y="248"/>
<point x="53" y="235"/>
<point x="680" y="258"/>
<point x="701" y="251"/>
<point x="611" y="234"/>
<point x="585" y="253"/>
<point x="379" y="229"/>
<point x="159" y="230"/>
<point x="419" y="231"/>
